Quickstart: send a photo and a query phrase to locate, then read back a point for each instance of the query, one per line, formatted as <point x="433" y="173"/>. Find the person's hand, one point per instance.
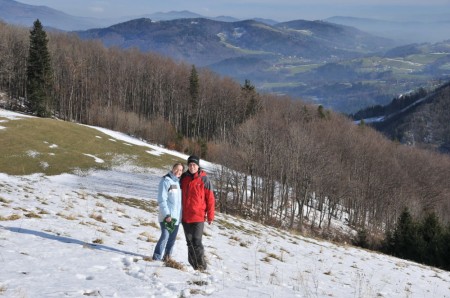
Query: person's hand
<point x="210" y="222"/>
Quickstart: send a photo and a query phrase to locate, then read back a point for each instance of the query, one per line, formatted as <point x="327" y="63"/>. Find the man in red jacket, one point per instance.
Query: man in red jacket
<point x="198" y="206"/>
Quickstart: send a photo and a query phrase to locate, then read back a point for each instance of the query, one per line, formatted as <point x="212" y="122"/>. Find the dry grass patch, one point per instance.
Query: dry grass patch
<point x="149" y="206"/>
<point x="195" y="292"/>
<point x="98" y="204"/>
<point x="2" y="200"/>
<point x="215" y="254"/>
<point x="98" y="241"/>
<point x="103" y="230"/>
<point x="88" y="224"/>
<point x="11" y="217"/>
<point x="121" y="211"/>
<point x="68" y="217"/>
<point x="118" y="228"/>
<point x="227" y="224"/>
<point x="266" y="259"/>
<point x="91" y="293"/>
<point x="97" y="217"/>
<point x="145" y="236"/>
<point x="235" y="238"/>
<point x="21" y="209"/>
<point x="274" y="256"/>
<point x="32" y="215"/>
<point x="150" y="224"/>
<point x="283" y="251"/>
<point x="42" y="211"/>
<point x="199" y="283"/>
<point x="81" y="196"/>
<point x="174" y="264"/>
<point x="244" y="244"/>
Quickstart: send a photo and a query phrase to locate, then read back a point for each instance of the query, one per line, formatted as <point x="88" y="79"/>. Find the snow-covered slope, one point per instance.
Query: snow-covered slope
<point x="90" y="235"/>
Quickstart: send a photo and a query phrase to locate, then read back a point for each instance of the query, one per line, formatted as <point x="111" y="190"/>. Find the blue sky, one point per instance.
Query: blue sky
<point x="280" y="10"/>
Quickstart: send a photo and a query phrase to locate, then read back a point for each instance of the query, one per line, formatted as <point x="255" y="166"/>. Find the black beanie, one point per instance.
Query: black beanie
<point x="194" y="159"/>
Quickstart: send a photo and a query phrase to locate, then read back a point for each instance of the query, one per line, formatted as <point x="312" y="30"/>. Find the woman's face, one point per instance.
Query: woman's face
<point x="177" y="171"/>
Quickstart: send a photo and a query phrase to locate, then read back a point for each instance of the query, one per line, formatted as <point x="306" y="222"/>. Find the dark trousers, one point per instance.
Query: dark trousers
<point x="196" y="252"/>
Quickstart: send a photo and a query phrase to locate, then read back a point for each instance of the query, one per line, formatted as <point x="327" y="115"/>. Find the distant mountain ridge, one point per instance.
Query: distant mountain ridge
<point x="185" y="14"/>
<point x="17" y="13"/>
<point x="203" y="41"/>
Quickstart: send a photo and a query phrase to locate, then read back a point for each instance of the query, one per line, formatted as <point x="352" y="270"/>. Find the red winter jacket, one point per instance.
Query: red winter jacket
<point x="198" y="200"/>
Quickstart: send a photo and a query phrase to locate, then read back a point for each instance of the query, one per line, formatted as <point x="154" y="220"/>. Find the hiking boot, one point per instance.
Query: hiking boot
<point x="201" y="268"/>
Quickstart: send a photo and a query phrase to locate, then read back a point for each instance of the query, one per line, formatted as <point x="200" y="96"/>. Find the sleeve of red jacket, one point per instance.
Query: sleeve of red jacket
<point x="210" y="200"/>
<point x="210" y="204"/>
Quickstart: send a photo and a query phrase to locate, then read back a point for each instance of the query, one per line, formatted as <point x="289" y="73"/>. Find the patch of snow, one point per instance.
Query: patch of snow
<point x="97" y="160"/>
<point x="32" y="153"/>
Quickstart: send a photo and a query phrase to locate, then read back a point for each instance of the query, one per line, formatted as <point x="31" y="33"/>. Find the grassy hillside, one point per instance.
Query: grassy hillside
<point x="36" y="145"/>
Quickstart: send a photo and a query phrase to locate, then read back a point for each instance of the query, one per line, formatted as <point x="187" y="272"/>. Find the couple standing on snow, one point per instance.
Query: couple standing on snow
<point x="187" y="196"/>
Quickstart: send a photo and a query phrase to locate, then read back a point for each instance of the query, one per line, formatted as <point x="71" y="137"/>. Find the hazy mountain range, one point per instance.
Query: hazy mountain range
<point x="18" y="13"/>
<point x="432" y="29"/>
<point x="337" y="65"/>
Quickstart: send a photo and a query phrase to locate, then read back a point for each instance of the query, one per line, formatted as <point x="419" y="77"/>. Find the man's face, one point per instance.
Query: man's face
<point x="193" y="167"/>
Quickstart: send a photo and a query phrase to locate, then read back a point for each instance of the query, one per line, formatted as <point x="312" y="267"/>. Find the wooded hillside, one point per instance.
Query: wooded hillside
<point x="297" y="157"/>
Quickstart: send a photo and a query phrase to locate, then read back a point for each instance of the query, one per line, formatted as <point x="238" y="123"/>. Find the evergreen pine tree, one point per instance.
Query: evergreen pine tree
<point x="251" y="98"/>
<point x="362" y="238"/>
<point x="194" y="87"/>
<point x="405" y="238"/>
<point x="194" y="91"/>
<point x="39" y="74"/>
<point x="432" y="239"/>
<point x="388" y="243"/>
<point x="446" y="248"/>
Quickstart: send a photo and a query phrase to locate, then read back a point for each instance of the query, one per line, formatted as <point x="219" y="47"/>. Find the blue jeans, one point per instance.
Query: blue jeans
<point x="165" y="243"/>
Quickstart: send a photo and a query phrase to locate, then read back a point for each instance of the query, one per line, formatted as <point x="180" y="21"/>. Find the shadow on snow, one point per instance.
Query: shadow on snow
<point x="69" y="240"/>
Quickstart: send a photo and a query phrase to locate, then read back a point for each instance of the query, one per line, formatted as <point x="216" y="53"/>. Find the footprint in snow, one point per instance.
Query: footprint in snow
<point x="132" y="268"/>
<point x="86" y="277"/>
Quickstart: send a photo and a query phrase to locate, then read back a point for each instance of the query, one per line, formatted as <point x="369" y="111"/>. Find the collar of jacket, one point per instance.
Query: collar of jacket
<point x="173" y="177"/>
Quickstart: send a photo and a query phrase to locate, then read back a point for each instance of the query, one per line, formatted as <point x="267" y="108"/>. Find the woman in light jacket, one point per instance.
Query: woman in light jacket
<point x="169" y="217"/>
